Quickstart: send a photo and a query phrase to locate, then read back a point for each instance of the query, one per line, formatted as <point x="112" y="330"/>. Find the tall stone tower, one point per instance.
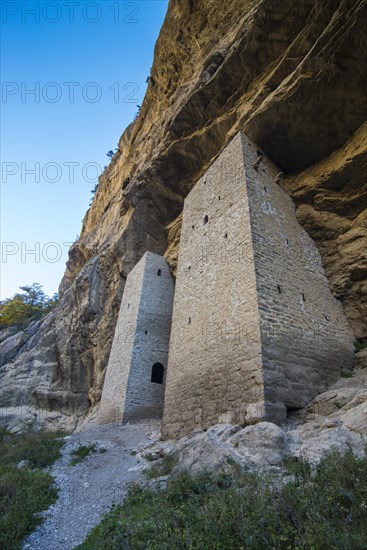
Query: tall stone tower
<point x="135" y="375"/>
<point x="255" y="328"/>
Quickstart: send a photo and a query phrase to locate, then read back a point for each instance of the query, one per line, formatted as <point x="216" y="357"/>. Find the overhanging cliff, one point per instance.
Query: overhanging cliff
<point x="292" y="76"/>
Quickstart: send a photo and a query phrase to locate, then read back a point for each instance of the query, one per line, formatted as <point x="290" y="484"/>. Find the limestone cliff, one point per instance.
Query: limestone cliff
<point x="292" y="76"/>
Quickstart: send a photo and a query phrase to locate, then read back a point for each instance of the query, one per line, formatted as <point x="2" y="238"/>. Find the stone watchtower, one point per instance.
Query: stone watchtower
<point x="136" y="370"/>
<point x="255" y="328"/>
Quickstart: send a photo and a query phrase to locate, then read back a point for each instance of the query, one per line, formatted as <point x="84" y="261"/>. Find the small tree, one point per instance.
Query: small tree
<point x="23" y="308"/>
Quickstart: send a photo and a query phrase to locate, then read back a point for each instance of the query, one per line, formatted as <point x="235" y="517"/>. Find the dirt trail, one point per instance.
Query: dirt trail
<point x="88" y="489"/>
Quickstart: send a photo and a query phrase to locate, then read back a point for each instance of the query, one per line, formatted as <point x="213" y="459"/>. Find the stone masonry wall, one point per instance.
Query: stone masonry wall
<point x="215" y="367"/>
<point x="306" y="339"/>
<point x="141" y="340"/>
<point x="255" y="329"/>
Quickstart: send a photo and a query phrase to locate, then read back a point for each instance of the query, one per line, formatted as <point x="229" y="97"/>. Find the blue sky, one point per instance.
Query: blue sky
<point x="87" y="63"/>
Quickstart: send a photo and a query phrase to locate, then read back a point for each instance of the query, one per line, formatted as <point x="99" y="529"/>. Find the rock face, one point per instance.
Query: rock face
<point x="292" y="76"/>
<point x="336" y="419"/>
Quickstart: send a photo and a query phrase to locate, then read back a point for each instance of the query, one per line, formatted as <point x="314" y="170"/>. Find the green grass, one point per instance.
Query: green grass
<point x="321" y="510"/>
<point x="82" y="452"/>
<point x="149" y="457"/>
<point x="162" y="468"/>
<point x="27" y="491"/>
<point x="40" y="449"/>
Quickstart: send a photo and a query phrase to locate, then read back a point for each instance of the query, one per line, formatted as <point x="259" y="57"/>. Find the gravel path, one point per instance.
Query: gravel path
<point x="87" y="490"/>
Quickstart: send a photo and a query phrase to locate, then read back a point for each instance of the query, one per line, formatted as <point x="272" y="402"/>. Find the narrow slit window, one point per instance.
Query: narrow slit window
<point x="303" y="297"/>
<point x="159" y="272"/>
<point x="157" y="373"/>
<point x="279" y="289"/>
<point x="206" y="219"/>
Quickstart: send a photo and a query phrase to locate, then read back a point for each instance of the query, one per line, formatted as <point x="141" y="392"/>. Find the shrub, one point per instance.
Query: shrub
<point x="162" y="468"/>
<point x="82" y="452"/>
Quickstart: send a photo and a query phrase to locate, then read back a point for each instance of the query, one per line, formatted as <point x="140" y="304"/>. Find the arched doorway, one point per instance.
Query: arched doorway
<point x="157" y="373"/>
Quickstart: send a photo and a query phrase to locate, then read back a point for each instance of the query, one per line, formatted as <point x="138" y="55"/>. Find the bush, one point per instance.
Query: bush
<point x="162" y="468"/>
<point x="82" y="452"/>
<point x="26" y="491"/>
<point x="325" y="509"/>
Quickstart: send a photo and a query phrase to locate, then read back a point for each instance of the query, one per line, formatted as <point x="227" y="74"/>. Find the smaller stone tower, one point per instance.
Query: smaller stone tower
<point x="136" y="370"/>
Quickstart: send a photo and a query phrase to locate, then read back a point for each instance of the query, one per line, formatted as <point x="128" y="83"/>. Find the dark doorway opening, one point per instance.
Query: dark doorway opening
<point x="157" y="373"/>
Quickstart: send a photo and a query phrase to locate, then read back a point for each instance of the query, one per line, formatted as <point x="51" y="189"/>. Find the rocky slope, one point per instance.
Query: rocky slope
<point x="336" y="419"/>
<point x="292" y="75"/>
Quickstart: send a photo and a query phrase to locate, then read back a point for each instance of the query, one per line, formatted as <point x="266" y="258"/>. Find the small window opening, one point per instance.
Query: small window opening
<point x="157" y="373"/>
<point x="287" y="241"/>
<point x="189" y="320"/>
<point x="279" y="289"/>
<point x="193" y="226"/>
<point x="159" y="272"/>
<point x="219" y="198"/>
<point x="128" y="306"/>
<point x="226" y="235"/>
<point x="206" y="219"/>
<point x="303" y="297"/>
<point x="146" y="332"/>
<point x="265" y="189"/>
